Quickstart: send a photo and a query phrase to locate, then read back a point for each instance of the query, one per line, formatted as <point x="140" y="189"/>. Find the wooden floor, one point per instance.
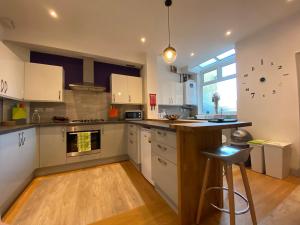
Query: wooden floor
<point x="117" y="194"/>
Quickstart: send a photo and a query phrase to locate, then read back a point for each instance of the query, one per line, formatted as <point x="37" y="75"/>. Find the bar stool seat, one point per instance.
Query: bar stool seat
<point x="228" y="155"/>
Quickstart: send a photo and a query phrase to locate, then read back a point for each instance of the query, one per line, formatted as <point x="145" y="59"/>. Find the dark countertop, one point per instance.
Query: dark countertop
<point x="145" y="123"/>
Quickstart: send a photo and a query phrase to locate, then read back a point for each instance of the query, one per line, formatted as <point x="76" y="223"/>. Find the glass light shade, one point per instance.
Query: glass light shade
<point x="169" y="55"/>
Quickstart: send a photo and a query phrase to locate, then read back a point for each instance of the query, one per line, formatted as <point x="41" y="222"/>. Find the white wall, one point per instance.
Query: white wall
<point x="275" y="116"/>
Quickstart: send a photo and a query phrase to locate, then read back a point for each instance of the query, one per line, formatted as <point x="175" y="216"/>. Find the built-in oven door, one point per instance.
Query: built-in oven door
<point x="83" y="142"/>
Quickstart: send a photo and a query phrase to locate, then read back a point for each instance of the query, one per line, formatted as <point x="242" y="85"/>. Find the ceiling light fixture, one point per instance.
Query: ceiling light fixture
<point x="169" y="54"/>
<point x="53" y="13"/>
<point x="192" y="54"/>
<point x="143" y="39"/>
<point x="228" y="33"/>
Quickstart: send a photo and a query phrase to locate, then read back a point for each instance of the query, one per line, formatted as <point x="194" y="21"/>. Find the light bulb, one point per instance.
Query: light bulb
<point x="169" y="55"/>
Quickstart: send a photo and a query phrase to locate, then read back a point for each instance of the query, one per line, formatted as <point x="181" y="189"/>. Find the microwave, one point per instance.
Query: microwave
<point x="134" y="115"/>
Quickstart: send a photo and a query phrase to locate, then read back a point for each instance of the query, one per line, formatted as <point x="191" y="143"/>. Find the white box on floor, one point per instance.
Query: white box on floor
<point x="277" y="157"/>
<point x="257" y="158"/>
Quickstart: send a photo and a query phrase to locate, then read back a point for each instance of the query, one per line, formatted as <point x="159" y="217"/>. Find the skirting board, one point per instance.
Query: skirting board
<point x="78" y="165"/>
<point x="295" y="172"/>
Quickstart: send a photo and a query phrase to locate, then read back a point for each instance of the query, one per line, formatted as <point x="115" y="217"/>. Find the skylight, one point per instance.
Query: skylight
<point x="226" y="54"/>
<point x="208" y="62"/>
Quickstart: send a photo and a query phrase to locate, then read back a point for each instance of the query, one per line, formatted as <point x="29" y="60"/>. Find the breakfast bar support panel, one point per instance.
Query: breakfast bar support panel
<point x="191" y="166"/>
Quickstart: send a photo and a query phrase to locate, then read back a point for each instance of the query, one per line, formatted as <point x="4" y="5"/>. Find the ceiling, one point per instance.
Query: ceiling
<point x="113" y="28"/>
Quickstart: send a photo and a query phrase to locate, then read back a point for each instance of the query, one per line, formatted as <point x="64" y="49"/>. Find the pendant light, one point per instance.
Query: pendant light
<point x="169" y="54"/>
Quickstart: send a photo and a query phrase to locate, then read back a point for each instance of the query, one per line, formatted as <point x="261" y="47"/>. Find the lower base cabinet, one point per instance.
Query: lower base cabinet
<point x="52" y="146"/>
<point x="164" y="174"/>
<point x="18" y="160"/>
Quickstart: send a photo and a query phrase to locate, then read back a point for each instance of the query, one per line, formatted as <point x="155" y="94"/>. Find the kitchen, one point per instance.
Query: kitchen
<point x="103" y="128"/>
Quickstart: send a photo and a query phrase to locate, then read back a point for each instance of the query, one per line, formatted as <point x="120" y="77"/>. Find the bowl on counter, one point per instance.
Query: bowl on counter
<point x="172" y="117"/>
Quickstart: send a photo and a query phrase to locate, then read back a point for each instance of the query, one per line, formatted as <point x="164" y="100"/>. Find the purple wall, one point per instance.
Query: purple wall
<point x="102" y="72"/>
<point x="73" y="67"/>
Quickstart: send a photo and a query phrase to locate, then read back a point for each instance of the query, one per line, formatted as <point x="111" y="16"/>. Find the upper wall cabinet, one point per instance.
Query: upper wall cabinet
<point x="43" y="83"/>
<point x="171" y="93"/>
<point x="126" y="89"/>
<point x="11" y="74"/>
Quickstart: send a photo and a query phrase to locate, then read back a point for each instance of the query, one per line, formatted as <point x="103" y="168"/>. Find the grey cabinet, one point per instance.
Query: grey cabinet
<point x="113" y="138"/>
<point x="164" y="165"/>
<point x="133" y="141"/>
<point x="17" y="163"/>
<point x="52" y="146"/>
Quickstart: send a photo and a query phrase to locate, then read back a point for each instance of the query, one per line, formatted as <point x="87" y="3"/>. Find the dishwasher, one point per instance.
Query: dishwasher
<point x="146" y="154"/>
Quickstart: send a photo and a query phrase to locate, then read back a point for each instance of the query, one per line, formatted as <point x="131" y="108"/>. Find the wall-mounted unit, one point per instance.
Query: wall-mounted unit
<point x="190" y="92"/>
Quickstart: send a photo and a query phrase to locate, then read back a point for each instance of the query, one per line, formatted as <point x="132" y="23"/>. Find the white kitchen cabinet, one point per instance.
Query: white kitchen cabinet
<point x="133" y="141"/>
<point x="126" y="89"/>
<point x="171" y="93"/>
<point x="52" y="146"/>
<point x="113" y="138"/>
<point x="17" y="163"/>
<point x="145" y="137"/>
<point x="43" y="83"/>
<point x="11" y="74"/>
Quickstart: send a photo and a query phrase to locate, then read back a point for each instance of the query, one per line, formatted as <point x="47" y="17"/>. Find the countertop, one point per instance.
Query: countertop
<point x="186" y="125"/>
<point x="145" y="123"/>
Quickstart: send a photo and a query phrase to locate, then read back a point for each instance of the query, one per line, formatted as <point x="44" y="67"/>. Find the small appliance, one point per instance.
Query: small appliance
<point x="134" y="115"/>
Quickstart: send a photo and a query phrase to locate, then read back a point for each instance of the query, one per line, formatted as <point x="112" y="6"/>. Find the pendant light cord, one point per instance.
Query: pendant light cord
<point x="169" y="26"/>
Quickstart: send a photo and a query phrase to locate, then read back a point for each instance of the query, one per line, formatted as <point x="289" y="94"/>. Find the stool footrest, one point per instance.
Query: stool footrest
<point x="226" y="210"/>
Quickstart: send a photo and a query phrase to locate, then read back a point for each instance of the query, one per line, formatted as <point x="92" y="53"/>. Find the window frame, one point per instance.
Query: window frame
<point x="216" y="66"/>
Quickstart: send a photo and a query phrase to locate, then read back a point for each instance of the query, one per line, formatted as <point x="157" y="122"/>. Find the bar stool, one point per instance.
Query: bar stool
<point x="229" y="156"/>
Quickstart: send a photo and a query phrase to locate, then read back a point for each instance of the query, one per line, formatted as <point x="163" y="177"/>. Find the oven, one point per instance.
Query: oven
<point x="83" y="140"/>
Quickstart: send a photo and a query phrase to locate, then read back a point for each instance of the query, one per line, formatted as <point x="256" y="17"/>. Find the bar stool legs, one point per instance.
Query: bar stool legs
<point x="231" y="193"/>
<point x="248" y="193"/>
<point x="229" y="177"/>
<point x="203" y="190"/>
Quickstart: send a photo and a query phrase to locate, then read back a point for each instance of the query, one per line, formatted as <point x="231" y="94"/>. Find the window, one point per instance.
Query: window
<point x="221" y="79"/>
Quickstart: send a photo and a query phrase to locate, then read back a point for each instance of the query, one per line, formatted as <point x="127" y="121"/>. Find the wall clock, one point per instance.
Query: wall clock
<point x="263" y="79"/>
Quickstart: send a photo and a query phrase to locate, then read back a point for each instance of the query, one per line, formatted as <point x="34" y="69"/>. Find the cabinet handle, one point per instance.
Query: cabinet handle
<point x="159" y="146"/>
<point x="59" y="93"/>
<point x="63" y="133"/>
<point x="114" y="98"/>
<point x="102" y="130"/>
<point x="131" y="134"/>
<point x="129" y="98"/>
<point x="19" y="140"/>
<point x="5" y="87"/>
<point x="162" y="161"/>
<point x="2" y="86"/>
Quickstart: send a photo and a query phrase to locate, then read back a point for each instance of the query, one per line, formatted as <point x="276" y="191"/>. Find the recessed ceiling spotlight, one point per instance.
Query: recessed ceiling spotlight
<point x="288" y="1"/>
<point x="53" y="13"/>
<point x="192" y="54"/>
<point x="143" y="39"/>
<point x="228" y="33"/>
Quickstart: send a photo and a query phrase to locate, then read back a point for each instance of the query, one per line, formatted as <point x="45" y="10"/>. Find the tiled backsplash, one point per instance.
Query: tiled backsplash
<point x="178" y="110"/>
<point x="78" y="105"/>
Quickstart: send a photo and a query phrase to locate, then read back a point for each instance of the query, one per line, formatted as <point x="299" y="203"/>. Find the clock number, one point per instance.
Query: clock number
<point x="247" y="89"/>
<point x="279" y="67"/>
<point x="274" y="92"/>
<point x="286" y="74"/>
<point x="272" y="64"/>
<point x="261" y="62"/>
<point x="253" y="94"/>
<point x="245" y="75"/>
<point x="253" y="68"/>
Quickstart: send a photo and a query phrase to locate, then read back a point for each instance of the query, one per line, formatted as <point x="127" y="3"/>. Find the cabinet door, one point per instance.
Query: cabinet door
<point x="135" y="90"/>
<point x="11" y="74"/>
<point x="43" y="83"/>
<point x="178" y="94"/>
<point x="28" y="151"/>
<point x="17" y="162"/>
<point x="146" y="154"/>
<point x="52" y="146"/>
<point x="113" y="140"/>
<point x="119" y="89"/>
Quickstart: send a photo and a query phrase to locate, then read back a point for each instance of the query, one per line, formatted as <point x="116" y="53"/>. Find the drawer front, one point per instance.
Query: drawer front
<point x="164" y="137"/>
<point x="165" y="151"/>
<point x="164" y="174"/>
<point x="132" y="135"/>
<point x="132" y="128"/>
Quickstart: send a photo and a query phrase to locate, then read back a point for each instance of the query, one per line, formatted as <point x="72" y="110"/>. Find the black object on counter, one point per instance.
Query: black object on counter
<point x="222" y="120"/>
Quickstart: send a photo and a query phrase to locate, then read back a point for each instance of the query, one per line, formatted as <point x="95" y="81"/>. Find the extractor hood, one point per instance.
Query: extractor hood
<point x="88" y="78"/>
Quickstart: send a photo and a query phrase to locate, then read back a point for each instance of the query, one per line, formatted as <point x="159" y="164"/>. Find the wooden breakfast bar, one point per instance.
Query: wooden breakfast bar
<point x="192" y="138"/>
